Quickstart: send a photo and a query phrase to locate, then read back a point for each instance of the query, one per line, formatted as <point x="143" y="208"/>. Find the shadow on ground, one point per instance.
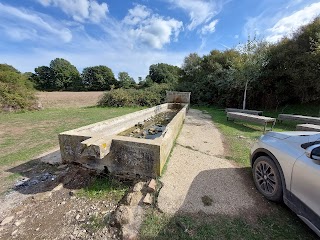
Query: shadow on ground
<point x="220" y="211"/>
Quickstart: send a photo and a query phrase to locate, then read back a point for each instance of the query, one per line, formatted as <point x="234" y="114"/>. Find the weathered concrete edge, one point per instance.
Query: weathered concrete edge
<point x="159" y="148"/>
<point x="77" y="141"/>
<point x="169" y="138"/>
<point x="114" y="121"/>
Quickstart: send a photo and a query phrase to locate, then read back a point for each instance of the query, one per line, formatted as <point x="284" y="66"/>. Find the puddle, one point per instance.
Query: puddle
<point x="152" y="127"/>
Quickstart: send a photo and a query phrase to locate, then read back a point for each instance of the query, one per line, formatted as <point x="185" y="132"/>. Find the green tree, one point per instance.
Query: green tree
<point x="65" y="75"/>
<point x="252" y="59"/>
<point x="43" y="79"/>
<point x="98" y="78"/>
<point x="125" y="81"/>
<point x="147" y="82"/>
<point x="294" y="63"/>
<point x="164" y="73"/>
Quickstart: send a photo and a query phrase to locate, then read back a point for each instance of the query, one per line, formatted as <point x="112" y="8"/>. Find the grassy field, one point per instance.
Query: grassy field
<point x="27" y="134"/>
<point x="280" y="224"/>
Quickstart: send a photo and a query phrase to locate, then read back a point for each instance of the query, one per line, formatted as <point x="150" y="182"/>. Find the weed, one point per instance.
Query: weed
<point x="104" y="187"/>
<point x="95" y="223"/>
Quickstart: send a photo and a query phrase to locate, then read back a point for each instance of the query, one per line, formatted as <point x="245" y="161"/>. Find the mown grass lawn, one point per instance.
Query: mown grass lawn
<point x="282" y="223"/>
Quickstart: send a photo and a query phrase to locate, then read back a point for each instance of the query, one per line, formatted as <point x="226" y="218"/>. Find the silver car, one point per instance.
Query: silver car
<point x="286" y="167"/>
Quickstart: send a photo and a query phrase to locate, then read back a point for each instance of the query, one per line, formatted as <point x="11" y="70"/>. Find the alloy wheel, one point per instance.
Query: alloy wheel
<point x="265" y="178"/>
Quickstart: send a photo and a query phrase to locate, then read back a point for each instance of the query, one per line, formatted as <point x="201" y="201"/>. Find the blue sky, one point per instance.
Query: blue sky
<point x="131" y="35"/>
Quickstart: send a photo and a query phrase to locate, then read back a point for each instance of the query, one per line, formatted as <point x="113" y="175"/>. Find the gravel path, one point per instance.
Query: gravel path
<point x="198" y="178"/>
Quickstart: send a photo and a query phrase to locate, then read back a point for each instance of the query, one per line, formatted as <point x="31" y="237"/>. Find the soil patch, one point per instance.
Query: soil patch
<point x="44" y="204"/>
<point x="68" y="99"/>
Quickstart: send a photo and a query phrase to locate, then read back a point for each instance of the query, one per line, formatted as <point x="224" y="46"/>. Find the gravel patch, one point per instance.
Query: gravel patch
<point x="199" y="179"/>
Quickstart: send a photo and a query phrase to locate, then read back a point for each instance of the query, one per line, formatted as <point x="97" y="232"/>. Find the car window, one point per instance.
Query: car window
<point x="309" y="144"/>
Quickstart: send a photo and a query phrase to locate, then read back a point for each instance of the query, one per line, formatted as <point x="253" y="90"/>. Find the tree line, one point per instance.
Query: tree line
<point x="61" y="75"/>
<point x="256" y="74"/>
<point x="272" y="75"/>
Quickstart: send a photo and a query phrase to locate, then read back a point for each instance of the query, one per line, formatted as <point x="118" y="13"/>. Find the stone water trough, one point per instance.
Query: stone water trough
<point x="135" y="145"/>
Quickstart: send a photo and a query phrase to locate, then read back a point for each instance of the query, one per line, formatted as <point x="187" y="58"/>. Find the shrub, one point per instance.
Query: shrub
<point x="16" y="92"/>
<point x="148" y="97"/>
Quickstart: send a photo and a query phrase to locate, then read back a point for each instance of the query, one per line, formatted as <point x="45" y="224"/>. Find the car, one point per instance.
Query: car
<point x="286" y="167"/>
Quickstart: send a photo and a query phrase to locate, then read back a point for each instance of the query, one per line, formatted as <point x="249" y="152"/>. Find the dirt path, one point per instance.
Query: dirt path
<point x="199" y="178"/>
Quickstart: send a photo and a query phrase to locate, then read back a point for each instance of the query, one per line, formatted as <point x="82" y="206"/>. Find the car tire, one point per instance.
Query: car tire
<point x="267" y="178"/>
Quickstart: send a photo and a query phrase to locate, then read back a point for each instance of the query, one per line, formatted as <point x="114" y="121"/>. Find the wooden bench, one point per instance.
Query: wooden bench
<point x="252" y="118"/>
<point x="252" y="112"/>
<point x="308" y="127"/>
<point x="299" y="118"/>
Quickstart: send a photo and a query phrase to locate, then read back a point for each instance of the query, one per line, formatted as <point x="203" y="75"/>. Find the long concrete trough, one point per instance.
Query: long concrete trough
<point x="99" y="146"/>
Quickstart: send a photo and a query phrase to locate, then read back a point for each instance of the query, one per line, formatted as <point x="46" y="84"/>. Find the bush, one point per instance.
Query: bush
<point x="16" y="92"/>
<point x="148" y="97"/>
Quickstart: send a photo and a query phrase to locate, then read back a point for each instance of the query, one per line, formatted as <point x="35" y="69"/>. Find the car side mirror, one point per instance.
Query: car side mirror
<point x="313" y="152"/>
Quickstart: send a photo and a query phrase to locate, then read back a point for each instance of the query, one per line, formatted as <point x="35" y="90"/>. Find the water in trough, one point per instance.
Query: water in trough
<point x="152" y="127"/>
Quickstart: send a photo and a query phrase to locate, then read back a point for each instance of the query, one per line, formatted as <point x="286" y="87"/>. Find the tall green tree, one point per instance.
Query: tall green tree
<point x="191" y="64"/>
<point x="43" y="79"/>
<point x="125" y="81"/>
<point x="252" y="59"/>
<point x="164" y="73"/>
<point x="98" y="78"/>
<point x="65" y="75"/>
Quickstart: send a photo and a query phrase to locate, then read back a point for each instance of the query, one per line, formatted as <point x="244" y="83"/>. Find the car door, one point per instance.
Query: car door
<point x="305" y="185"/>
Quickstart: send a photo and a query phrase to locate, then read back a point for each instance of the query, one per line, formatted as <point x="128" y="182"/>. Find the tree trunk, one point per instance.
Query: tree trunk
<point x="245" y="96"/>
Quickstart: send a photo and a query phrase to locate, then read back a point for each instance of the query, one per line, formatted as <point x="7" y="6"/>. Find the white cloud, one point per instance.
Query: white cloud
<point x="210" y="28"/>
<point x="20" y="24"/>
<point x="151" y="29"/>
<point x="136" y="15"/>
<point x="98" y="11"/>
<point x="45" y="3"/>
<point x="286" y="25"/>
<point x="80" y="10"/>
<point x="92" y="53"/>
<point x="199" y="11"/>
<point x="130" y="46"/>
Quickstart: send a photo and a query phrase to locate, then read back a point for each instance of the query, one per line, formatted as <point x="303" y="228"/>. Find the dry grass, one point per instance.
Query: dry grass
<point x="68" y="99"/>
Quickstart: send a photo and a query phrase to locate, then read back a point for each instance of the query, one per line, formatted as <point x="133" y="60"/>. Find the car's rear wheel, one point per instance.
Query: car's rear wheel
<point x="267" y="178"/>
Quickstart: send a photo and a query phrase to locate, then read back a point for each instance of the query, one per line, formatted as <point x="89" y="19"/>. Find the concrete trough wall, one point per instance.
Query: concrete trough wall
<point x="98" y="146"/>
<point x="178" y="97"/>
